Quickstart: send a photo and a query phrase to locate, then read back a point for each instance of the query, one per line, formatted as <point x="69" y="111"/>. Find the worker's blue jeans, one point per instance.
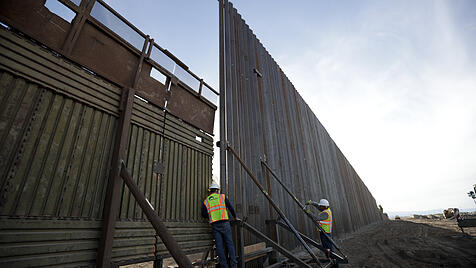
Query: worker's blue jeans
<point x="222" y="233"/>
<point x="326" y="243"/>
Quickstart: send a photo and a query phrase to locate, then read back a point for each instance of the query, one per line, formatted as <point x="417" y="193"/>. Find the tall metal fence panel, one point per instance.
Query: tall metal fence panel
<point x="73" y="90"/>
<point x="266" y="119"/>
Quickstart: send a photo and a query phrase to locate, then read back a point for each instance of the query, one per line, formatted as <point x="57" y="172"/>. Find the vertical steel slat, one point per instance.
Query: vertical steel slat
<point x="155" y="177"/>
<point x="13" y="144"/>
<point x="135" y="171"/>
<point x="92" y="148"/>
<point x="142" y="172"/>
<point x="104" y="162"/>
<point x="148" y="173"/>
<point x="222" y="100"/>
<point x="183" y="180"/>
<point x="228" y="109"/>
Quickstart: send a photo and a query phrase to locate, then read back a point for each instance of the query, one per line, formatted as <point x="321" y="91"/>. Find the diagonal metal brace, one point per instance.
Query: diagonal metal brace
<point x="274" y="205"/>
<point x="164" y="234"/>
<point x="303" y="207"/>
<point x="315" y="244"/>
<point x="275" y="245"/>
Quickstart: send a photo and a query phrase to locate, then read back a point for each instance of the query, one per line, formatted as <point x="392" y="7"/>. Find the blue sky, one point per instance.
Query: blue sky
<point x="394" y="82"/>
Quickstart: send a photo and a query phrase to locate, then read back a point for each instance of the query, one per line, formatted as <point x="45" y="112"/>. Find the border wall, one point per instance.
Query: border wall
<point x="266" y="118"/>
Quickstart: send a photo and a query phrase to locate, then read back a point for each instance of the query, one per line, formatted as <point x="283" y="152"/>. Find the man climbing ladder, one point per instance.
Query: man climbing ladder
<point x="325" y="221"/>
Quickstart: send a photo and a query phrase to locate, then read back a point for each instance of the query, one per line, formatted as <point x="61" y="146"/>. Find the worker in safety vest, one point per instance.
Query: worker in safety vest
<point x="214" y="208"/>
<point x="324" y="219"/>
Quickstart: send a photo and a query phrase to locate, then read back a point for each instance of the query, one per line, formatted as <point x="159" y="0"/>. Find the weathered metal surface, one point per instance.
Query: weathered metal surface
<point x="266" y="118"/>
<point x="107" y="44"/>
<point x="112" y="191"/>
<point x="54" y="152"/>
<point x="169" y="241"/>
<point x="57" y="130"/>
<point x="196" y="110"/>
<point x="34" y="19"/>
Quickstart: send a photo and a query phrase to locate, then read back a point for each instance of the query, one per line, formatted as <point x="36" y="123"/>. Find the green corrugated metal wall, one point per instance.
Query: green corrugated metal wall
<point x="57" y="128"/>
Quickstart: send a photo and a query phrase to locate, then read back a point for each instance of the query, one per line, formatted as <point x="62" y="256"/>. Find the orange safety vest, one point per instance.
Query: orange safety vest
<point x="326" y="224"/>
<point x="216" y="207"/>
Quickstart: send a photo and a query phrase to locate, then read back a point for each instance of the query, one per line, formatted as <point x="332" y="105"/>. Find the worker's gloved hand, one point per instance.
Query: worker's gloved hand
<point x="309" y="202"/>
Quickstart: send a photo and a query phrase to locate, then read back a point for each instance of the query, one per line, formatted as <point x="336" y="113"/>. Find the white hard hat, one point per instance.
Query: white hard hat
<point x="214" y="185"/>
<point x="323" y="202"/>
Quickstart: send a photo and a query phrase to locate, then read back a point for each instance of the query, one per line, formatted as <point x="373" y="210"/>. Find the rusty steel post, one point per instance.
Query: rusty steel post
<point x="111" y="204"/>
<point x="275" y="206"/>
<point x="84" y="9"/>
<point x="223" y="159"/>
<point x="166" y="237"/>
<point x="114" y="186"/>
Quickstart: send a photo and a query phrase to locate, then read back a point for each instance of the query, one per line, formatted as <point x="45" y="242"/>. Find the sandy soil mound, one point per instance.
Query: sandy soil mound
<point x="412" y="243"/>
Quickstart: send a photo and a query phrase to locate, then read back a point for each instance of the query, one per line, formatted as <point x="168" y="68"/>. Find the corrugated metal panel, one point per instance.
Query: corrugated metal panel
<point x="45" y="242"/>
<point x="267" y="118"/>
<point x="55" y="152"/>
<point x="57" y="128"/>
<point x="73" y="243"/>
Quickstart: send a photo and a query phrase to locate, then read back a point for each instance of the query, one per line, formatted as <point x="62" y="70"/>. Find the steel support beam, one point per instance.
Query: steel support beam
<point x="275" y="245"/>
<point x="314" y="243"/>
<point x="164" y="234"/>
<point x="275" y="206"/>
<point x="223" y="161"/>
<point x="84" y="9"/>
<point x="111" y="204"/>
<point x="302" y="206"/>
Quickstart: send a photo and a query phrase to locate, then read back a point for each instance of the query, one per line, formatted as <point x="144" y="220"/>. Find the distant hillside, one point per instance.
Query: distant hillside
<point x="392" y="214"/>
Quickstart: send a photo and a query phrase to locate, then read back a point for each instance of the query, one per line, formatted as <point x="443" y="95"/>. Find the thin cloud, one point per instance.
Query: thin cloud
<point x="398" y="98"/>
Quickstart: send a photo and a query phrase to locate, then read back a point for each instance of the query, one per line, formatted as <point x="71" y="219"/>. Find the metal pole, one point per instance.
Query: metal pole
<point x="314" y="243"/>
<point x="112" y="199"/>
<point x="166" y="237"/>
<point x="303" y="207"/>
<point x="278" y="210"/>
<point x="275" y="245"/>
<point x="241" y="243"/>
<point x="222" y="101"/>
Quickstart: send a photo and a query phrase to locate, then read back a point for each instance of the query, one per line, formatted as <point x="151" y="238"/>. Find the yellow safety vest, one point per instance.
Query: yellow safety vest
<point x="326" y="224"/>
<point x="216" y="207"/>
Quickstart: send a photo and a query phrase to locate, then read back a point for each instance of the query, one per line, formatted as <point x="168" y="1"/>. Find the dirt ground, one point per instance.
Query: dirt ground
<point x="405" y="243"/>
<point x="411" y="243"/>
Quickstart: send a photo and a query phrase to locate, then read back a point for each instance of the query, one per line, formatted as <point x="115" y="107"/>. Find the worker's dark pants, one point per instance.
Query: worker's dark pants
<point x="222" y="233"/>
<point x="325" y="242"/>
